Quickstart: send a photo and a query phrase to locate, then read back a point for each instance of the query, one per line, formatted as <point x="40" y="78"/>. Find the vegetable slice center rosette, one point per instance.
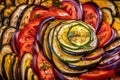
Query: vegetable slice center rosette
<point x="69" y="42"/>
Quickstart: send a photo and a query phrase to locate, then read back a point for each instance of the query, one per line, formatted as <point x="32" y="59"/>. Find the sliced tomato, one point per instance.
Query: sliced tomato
<point x="70" y="9"/>
<point x="44" y="68"/>
<point x="104" y="34"/>
<point x="26" y="37"/>
<point x="90" y="15"/>
<point x="98" y="75"/>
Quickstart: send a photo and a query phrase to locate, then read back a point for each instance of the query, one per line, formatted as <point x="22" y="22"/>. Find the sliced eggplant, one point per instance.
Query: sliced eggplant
<point x="16" y="14"/>
<point x="19" y="2"/>
<point x="116" y="26"/>
<point x="14" y="70"/>
<point x="5" y="21"/>
<point x="118" y="5"/>
<point x="108" y="4"/>
<point x="46" y="47"/>
<point x="1" y="31"/>
<point x="7" y="35"/>
<point x="7" y="65"/>
<point x="8" y="11"/>
<point x="95" y="54"/>
<point x="9" y="2"/>
<point x="113" y="45"/>
<point x="4" y="50"/>
<point x="25" y="62"/>
<point x="37" y="2"/>
<point x="29" y="74"/>
<point x="65" y="69"/>
<point x="85" y="64"/>
<point x="107" y="15"/>
<point x="24" y="18"/>
<point x="30" y="2"/>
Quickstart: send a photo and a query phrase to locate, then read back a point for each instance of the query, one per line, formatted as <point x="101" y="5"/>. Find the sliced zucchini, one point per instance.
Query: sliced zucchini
<point x="16" y="14"/>
<point x="108" y="4"/>
<point x="83" y="49"/>
<point x="113" y="45"/>
<point x="65" y="69"/>
<point x="25" y="62"/>
<point x="116" y="26"/>
<point x="24" y="18"/>
<point x="57" y="50"/>
<point x="46" y="48"/>
<point x="14" y="70"/>
<point x="107" y="15"/>
<point x="7" y="65"/>
<point x="7" y="35"/>
<point x="19" y="2"/>
<point x="79" y="35"/>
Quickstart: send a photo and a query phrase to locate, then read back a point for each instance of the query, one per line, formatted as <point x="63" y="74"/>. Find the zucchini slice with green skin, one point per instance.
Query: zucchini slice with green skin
<point x="65" y="69"/>
<point x="7" y="65"/>
<point x="79" y="35"/>
<point x="24" y="18"/>
<point x="25" y="62"/>
<point x="107" y="15"/>
<point x="7" y="35"/>
<point x="83" y="64"/>
<point x="16" y="14"/>
<point x="116" y="26"/>
<point x="15" y="69"/>
<point x="73" y="49"/>
<point x="57" y="50"/>
<point x="46" y="48"/>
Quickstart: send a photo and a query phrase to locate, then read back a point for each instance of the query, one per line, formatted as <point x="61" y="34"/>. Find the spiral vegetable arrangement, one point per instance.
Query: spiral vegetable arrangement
<point x="66" y="40"/>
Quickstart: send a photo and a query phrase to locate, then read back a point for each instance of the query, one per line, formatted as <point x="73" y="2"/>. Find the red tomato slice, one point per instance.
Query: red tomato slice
<point x="97" y="75"/>
<point x="90" y="15"/>
<point x="70" y="9"/>
<point x="44" y="68"/>
<point x="104" y="34"/>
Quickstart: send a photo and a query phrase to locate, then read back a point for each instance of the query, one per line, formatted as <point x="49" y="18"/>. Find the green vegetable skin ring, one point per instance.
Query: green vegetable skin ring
<point x="79" y="35"/>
